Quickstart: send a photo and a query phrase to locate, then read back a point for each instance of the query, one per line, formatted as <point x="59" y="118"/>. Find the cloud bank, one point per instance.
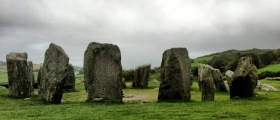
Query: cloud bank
<point x="142" y="29"/>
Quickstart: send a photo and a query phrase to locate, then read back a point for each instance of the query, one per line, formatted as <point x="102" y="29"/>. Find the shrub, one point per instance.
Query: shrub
<point x="255" y="59"/>
<point x="195" y="71"/>
<point x="266" y="74"/>
<point x="218" y="64"/>
<point x="268" y="57"/>
<point x="128" y="74"/>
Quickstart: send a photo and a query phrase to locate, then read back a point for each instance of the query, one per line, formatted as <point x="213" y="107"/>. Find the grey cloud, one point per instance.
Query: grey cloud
<point x="142" y="29"/>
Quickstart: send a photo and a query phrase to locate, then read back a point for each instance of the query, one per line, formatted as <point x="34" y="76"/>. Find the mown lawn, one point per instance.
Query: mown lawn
<point x="265" y="105"/>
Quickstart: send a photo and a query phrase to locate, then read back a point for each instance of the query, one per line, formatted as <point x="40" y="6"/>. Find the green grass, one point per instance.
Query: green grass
<point x="3" y="78"/>
<point x="199" y="60"/>
<point x="271" y="68"/>
<point x="3" y="69"/>
<point x="265" y="105"/>
<point x="73" y="106"/>
<point x="155" y="76"/>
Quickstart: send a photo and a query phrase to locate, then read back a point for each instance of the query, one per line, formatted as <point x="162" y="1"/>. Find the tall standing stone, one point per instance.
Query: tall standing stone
<point x="19" y="75"/>
<point x="39" y="76"/>
<point x="69" y="84"/>
<point x="103" y="72"/>
<point x="141" y="76"/>
<point x="218" y="80"/>
<point x="53" y="74"/>
<point x="205" y="75"/>
<point x="244" y="79"/>
<point x="31" y="78"/>
<point x="175" y="75"/>
<point x="228" y="75"/>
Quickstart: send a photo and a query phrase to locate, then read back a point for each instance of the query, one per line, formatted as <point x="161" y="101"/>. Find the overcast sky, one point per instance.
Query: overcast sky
<point x="143" y="29"/>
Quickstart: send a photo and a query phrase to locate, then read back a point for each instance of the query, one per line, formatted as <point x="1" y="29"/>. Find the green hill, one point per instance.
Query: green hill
<point x="227" y="60"/>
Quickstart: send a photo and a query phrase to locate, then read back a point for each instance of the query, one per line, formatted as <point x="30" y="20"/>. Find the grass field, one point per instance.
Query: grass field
<point x="271" y="68"/>
<point x="199" y="60"/>
<point x="265" y="105"/>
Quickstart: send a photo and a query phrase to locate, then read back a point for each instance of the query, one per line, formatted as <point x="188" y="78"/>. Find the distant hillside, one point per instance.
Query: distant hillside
<point x="228" y="60"/>
<point x="36" y="67"/>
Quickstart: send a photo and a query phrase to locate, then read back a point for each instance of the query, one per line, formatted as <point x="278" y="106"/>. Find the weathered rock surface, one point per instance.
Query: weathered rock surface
<point x="218" y="80"/>
<point x="228" y="75"/>
<point x="175" y="75"/>
<point x="69" y="84"/>
<point x="244" y="79"/>
<point x="141" y="76"/>
<point x="39" y="76"/>
<point x="206" y="79"/>
<point x="216" y="76"/>
<point x="265" y="87"/>
<point x="103" y="72"/>
<point x="31" y="78"/>
<point x="19" y="75"/>
<point x="53" y="74"/>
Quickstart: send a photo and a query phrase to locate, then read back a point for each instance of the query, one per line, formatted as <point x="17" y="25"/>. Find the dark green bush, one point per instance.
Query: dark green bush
<point x="268" y="57"/>
<point x="195" y="71"/>
<point x="128" y="74"/>
<point x="266" y="74"/>
<point x="255" y="59"/>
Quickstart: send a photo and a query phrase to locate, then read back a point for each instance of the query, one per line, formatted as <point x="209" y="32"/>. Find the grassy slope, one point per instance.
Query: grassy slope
<point x="199" y="60"/>
<point x="272" y="68"/>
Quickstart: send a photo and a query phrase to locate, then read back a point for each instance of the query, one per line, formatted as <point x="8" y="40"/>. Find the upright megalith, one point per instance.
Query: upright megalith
<point x="31" y="78"/>
<point x="53" y="74"/>
<point x="141" y="76"/>
<point x="20" y="75"/>
<point x="244" y="79"/>
<point x="216" y="76"/>
<point x="103" y="72"/>
<point x="218" y="80"/>
<point x="69" y="83"/>
<point x="175" y="75"/>
<point x="39" y="76"/>
<point x="228" y="75"/>
<point x="206" y="79"/>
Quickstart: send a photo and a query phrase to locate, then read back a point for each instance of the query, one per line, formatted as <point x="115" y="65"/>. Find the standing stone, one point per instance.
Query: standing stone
<point x="69" y="84"/>
<point x="218" y="81"/>
<point x="141" y="76"/>
<point x="175" y="75"/>
<point x="228" y="75"/>
<point x="244" y="79"/>
<point x="31" y="77"/>
<point x="19" y="75"/>
<point x="216" y="76"/>
<point x="205" y="75"/>
<point x="103" y="72"/>
<point x="39" y="77"/>
<point x="53" y="74"/>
